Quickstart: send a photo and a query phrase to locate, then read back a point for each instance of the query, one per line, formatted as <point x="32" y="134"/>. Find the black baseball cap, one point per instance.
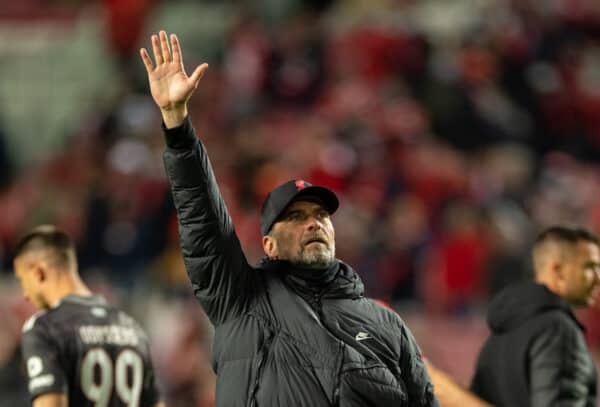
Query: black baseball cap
<point x="282" y="196"/>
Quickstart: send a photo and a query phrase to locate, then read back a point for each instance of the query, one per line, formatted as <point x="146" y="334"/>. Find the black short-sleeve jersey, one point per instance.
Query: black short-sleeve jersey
<point x="94" y="353"/>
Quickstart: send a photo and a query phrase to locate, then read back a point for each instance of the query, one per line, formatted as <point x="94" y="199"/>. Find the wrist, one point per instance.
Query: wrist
<point x="174" y="117"/>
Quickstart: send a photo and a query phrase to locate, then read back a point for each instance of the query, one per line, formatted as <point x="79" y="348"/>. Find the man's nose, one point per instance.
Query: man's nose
<point x="597" y="274"/>
<point x="314" y="223"/>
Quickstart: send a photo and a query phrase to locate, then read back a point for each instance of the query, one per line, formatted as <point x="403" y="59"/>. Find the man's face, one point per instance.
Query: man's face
<point x="582" y="274"/>
<point x="304" y="235"/>
<point x="30" y="281"/>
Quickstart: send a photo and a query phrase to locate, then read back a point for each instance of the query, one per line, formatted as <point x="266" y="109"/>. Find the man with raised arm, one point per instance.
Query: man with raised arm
<point x="295" y="330"/>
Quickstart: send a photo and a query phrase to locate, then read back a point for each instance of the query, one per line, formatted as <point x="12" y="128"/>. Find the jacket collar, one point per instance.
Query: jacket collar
<point x="337" y="281"/>
<point x="518" y="303"/>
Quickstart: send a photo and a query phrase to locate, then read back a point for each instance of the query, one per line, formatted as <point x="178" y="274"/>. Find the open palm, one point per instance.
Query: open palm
<point x="170" y="86"/>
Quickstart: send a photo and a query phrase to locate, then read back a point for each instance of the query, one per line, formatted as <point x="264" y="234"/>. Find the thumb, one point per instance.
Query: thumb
<point x="198" y="73"/>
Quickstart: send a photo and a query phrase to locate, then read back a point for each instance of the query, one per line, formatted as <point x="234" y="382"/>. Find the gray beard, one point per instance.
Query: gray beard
<point x="315" y="259"/>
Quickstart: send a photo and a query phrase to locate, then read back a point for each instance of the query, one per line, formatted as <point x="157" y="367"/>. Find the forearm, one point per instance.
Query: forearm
<point x="216" y="265"/>
<point x="452" y="394"/>
<point x="449" y="393"/>
<point x="51" y="400"/>
<point x="195" y="190"/>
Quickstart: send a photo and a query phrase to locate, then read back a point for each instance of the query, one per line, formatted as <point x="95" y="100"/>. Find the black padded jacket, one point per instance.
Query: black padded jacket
<point x="278" y="341"/>
<point x="536" y="355"/>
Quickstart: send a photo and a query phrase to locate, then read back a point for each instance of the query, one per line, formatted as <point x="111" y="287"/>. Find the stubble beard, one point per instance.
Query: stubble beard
<point x="40" y="303"/>
<point x="592" y="297"/>
<point x="315" y="258"/>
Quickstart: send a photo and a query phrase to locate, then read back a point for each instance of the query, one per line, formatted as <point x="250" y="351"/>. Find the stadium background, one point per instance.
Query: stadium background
<point x="452" y="131"/>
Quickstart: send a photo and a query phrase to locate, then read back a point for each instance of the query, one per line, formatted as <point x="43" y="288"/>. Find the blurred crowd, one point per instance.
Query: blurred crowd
<point x="450" y="141"/>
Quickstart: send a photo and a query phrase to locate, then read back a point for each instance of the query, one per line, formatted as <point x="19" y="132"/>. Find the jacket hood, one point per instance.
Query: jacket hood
<point x="518" y="303"/>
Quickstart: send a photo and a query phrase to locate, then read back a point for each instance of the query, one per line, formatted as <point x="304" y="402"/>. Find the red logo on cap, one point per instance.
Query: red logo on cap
<point x="300" y="184"/>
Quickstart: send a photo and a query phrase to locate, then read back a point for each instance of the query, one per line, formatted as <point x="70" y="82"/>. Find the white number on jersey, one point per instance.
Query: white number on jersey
<point x="127" y="365"/>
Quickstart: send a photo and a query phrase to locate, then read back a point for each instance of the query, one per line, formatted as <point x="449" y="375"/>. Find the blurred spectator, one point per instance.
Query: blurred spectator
<point x="6" y="163"/>
<point x="295" y="69"/>
<point x="182" y="337"/>
<point x="13" y="313"/>
<point x="125" y="24"/>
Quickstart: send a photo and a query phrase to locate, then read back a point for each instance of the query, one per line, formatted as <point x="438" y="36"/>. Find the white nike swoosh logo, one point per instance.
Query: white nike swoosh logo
<point x="361" y="336"/>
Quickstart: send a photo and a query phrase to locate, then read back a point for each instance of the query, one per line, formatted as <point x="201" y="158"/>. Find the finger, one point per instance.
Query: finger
<point x="156" y="49"/>
<point x="164" y="46"/>
<point x="198" y="73"/>
<point x="176" y="49"/>
<point x="146" y="59"/>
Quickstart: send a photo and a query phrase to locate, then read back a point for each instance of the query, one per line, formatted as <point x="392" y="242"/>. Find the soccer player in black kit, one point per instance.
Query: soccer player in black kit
<point x="78" y="350"/>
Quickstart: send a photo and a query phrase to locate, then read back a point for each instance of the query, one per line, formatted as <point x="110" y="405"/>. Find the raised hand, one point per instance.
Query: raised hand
<point x="170" y="86"/>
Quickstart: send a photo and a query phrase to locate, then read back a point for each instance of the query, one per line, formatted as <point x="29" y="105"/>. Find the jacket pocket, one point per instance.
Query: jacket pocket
<point x="371" y="386"/>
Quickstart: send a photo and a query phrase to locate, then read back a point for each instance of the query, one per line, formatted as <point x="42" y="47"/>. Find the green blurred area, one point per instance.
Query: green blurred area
<point x="52" y="73"/>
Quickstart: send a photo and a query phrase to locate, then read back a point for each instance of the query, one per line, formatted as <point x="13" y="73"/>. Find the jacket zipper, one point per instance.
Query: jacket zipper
<point x="318" y="304"/>
<point x="338" y="380"/>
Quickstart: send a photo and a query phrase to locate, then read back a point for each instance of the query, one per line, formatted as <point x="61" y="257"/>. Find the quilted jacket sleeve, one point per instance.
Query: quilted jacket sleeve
<point x="414" y="372"/>
<point x="560" y="367"/>
<point x="221" y="278"/>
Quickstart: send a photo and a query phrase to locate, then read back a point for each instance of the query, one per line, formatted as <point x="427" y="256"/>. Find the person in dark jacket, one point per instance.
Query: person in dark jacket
<point x="296" y="330"/>
<point x="536" y="354"/>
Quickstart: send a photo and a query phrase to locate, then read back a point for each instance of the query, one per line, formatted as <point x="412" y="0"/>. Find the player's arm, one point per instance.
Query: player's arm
<point x="160" y="404"/>
<point x="219" y="272"/>
<point x="450" y="393"/>
<point x="557" y="368"/>
<point x="45" y="373"/>
<point x="51" y="400"/>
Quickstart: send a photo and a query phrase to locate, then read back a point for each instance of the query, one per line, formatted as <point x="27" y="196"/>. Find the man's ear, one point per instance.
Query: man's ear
<point x="269" y="244"/>
<point x="39" y="273"/>
<point x="558" y="277"/>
